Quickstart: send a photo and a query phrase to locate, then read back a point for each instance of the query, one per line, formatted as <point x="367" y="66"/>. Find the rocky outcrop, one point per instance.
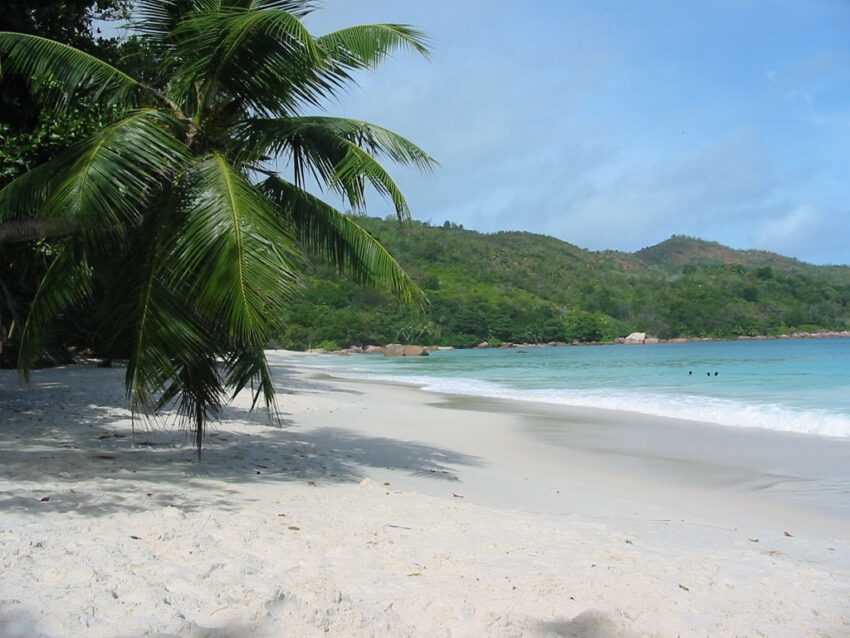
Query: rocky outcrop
<point x="636" y="338"/>
<point x="398" y="350"/>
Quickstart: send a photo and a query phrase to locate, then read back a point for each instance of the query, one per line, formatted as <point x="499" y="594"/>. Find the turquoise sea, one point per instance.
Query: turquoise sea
<point x="790" y="385"/>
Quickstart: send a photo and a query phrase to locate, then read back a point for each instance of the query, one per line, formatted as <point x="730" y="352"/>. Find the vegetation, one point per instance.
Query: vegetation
<point x="171" y="213"/>
<point x="31" y="135"/>
<point x="519" y="287"/>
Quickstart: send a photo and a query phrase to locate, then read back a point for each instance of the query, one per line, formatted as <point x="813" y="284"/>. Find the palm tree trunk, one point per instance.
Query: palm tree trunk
<point x="21" y="230"/>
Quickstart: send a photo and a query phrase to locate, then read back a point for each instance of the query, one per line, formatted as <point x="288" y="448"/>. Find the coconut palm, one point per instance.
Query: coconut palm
<point x="177" y="214"/>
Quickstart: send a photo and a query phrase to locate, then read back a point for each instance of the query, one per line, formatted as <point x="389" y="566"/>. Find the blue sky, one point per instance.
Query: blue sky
<point x="617" y="124"/>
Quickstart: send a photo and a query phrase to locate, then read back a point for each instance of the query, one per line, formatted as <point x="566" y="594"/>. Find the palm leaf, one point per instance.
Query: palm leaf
<point x="234" y="261"/>
<point x="357" y="169"/>
<point x="367" y="46"/>
<point x="60" y="74"/>
<point x="298" y="8"/>
<point x="67" y="281"/>
<point x="321" y="142"/>
<point x="331" y="150"/>
<point x="265" y="58"/>
<point x="102" y="182"/>
<point x="165" y="328"/>
<point x="171" y="359"/>
<point x="233" y="251"/>
<point x="324" y="230"/>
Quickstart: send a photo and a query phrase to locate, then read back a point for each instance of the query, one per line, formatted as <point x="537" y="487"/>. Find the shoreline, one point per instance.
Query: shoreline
<point x="626" y="454"/>
<point x="382" y="510"/>
<point x="619" y="341"/>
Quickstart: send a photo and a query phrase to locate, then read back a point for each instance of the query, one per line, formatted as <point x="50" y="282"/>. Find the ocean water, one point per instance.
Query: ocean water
<point x="790" y="385"/>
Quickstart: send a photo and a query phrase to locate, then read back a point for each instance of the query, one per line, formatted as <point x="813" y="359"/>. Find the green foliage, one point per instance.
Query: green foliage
<point x="169" y="216"/>
<point x="585" y="326"/>
<point x="518" y="287"/>
<point x="31" y="135"/>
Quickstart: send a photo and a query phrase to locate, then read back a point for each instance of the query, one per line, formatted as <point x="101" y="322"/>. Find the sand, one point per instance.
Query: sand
<point x="381" y="510"/>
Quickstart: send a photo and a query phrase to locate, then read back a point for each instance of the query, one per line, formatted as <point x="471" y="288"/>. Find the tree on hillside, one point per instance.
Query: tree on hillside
<point x="175" y="211"/>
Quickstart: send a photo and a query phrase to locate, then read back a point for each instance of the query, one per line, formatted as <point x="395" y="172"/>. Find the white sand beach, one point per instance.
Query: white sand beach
<point x="381" y="510"/>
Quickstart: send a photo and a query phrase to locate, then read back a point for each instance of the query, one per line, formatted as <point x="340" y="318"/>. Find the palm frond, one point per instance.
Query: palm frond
<point x="249" y="365"/>
<point x="332" y="151"/>
<point x="341" y="241"/>
<point x="165" y="331"/>
<point x="171" y="358"/>
<point x="323" y="141"/>
<point x="102" y="182"/>
<point x="67" y="281"/>
<point x="298" y="8"/>
<point x="234" y="263"/>
<point x="357" y="169"/>
<point x="60" y="74"/>
<point x="199" y="392"/>
<point x="367" y="46"/>
<point x="264" y="56"/>
<point x="234" y="253"/>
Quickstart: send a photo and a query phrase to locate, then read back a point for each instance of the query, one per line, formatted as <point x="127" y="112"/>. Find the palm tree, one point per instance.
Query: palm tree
<point x="175" y="212"/>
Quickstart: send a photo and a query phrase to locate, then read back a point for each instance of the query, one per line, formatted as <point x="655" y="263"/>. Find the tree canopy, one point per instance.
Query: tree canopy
<point x="188" y="211"/>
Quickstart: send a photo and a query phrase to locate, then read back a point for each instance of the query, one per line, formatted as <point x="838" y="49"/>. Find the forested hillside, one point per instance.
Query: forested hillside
<point x="520" y="287"/>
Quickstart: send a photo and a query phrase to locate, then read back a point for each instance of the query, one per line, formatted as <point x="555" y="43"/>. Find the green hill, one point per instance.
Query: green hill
<point x="680" y="250"/>
<point x="521" y="287"/>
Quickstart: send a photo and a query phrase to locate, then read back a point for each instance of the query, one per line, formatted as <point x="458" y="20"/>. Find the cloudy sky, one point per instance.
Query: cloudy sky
<point x="615" y="124"/>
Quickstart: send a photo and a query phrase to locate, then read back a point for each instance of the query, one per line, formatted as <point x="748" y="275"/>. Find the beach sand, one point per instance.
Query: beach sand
<point x="382" y="510"/>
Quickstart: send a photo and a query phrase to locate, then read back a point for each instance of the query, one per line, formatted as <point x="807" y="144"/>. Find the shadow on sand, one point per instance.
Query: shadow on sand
<point x="54" y="444"/>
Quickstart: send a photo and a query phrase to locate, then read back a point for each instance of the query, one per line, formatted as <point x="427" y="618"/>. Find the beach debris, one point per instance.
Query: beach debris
<point x="457" y="495"/>
<point x="135" y="538"/>
<point x="313" y="483"/>
<point x="683" y="587"/>
<point x="294" y="528"/>
<point x="789" y="535"/>
<point x="753" y="540"/>
<point x="44" y="499"/>
<point x="387" y="483"/>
